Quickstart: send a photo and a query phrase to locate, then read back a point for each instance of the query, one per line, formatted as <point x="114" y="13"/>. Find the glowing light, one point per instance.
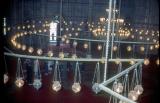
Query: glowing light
<point x="142" y="48"/>
<point x="30" y="49"/>
<point x="63" y="39"/>
<point x="85" y="45"/>
<point x="118" y="87"/>
<point x="129" y="48"/>
<point x="132" y="62"/>
<point x="75" y="43"/>
<point x="76" y="87"/>
<point x="99" y="47"/>
<point x="18" y="46"/>
<point x="96" y="88"/>
<point x="67" y="41"/>
<point x="23" y="47"/>
<point x="50" y="53"/>
<point x="133" y="95"/>
<point x="19" y="82"/>
<point x="37" y="84"/>
<point x="61" y="55"/>
<point x="157" y="61"/>
<point x="114" y="48"/>
<point x="151" y="47"/>
<point x="102" y="19"/>
<point x="138" y="89"/>
<point x="146" y="61"/>
<point x="56" y="86"/>
<point x="6" y="78"/>
<point x="39" y="51"/>
<point x="117" y="61"/>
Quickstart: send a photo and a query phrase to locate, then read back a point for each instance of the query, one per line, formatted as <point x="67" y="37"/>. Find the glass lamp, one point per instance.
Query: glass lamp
<point x="37" y="83"/>
<point x="56" y="86"/>
<point x="19" y="82"/>
<point x="76" y="87"/>
<point x="138" y="89"/>
<point x="133" y="95"/>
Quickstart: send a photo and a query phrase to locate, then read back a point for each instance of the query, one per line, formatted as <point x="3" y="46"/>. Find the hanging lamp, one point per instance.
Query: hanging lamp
<point x="56" y="86"/>
<point x="37" y="75"/>
<point x="96" y="79"/>
<point x="76" y="87"/>
<point x="19" y="74"/>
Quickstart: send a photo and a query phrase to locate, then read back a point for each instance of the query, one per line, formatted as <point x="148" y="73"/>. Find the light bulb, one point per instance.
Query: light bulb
<point x="56" y="86"/>
<point x="96" y="88"/>
<point x="157" y="61"/>
<point x="19" y="82"/>
<point x="74" y="43"/>
<point x="18" y="46"/>
<point x="30" y="50"/>
<point x="99" y="47"/>
<point x="50" y="53"/>
<point x="23" y="47"/>
<point x="146" y="61"/>
<point x="118" y="87"/>
<point x="129" y="48"/>
<point x="39" y="51"/>
<point x="37" y="83"/>
<point x="133" y="95"/>
<point x="85" y="45"/>
<point x="138" y="89"/>
<point x="76" y="87"/>
<point x="61" y="55"/>
<point x="142" y="48"/>
<point x="114" y="48"/>
<point x="132" y="62"/>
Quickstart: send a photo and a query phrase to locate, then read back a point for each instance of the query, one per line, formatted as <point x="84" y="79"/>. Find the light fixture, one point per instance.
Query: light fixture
<point x="75" y="43"/>
<point x="146" y="61"/>
<point x="142" y="48"/>
<point x="76" y="87"/>
<point x="157" y="61"/>
<point x="19" y="82"/>
<point x="6" y="78"/>
<point x="96" y="79"/>
<point x="133" y="95"/>
<point x="118" y="87"/>
<point x="39" y="51"/>
<point x="132" y="62"/>
<point x="18" y="46"/>
<point x="138" y="89"/>
<point x="67" y="41"/>
<point x="19" y="74"/>
<point x="37" y="83"/>
<point x="30" y="49"/>
<point x="61" y="55"/>
<point x="56" y="86"/>
<point x="23" y="47"/>
<point x="99" y="47"/>
<point x="37" y="75"/>
<point x="129" y="48"/>
<point x="50" y="53"/>
<point x="114" y="48"/>
<point x="96" y="88"/>
<point x="85" y="45"/>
